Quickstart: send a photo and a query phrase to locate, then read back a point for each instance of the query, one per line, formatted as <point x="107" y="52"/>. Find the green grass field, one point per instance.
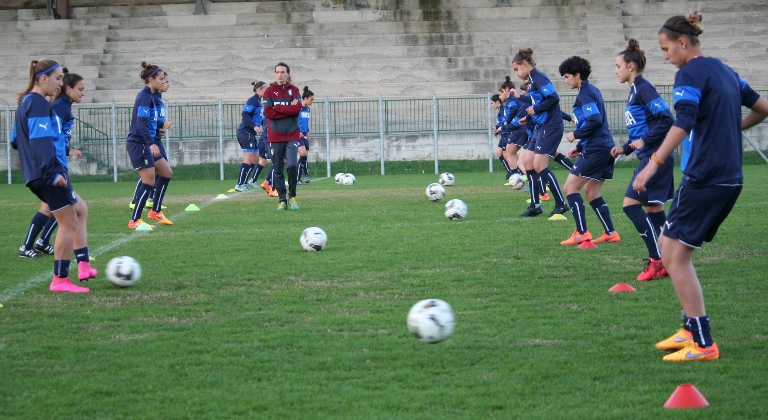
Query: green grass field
<point x="233" y="320"/>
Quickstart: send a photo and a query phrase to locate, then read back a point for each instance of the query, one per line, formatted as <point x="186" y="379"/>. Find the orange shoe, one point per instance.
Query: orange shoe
<point x="159" y="217"/>
<point x="134" y="225"/>
<point x="653" y="268"/>
<point x="273" y="193"/>
<point x="544" y="197"/>
<point x="577" y="238"/>
<point x="693" y="353"/>
<point x="676" y="341"/>
<point x="265" y="186"/>
<point x="614" y="237"/>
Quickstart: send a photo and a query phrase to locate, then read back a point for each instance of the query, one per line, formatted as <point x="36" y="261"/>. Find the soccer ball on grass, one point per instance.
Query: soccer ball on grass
<point x="435" y="191"/>
<point x="447" y="178"/>
<point x="313" y="239"/>
<point x="123" y="271"/>
<point x="455" y="209"/>
<point x="516" y="181"/>
<point x="431" y="320"/>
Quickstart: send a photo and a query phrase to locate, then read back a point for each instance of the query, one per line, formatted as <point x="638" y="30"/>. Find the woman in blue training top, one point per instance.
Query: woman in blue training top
<point x="249" y="128"/>
<point x="545" y="112"/>
<point x="512" y="131"/>
<point x="140" y="142"/>
<point x="37" y="134"/>
<point x="307" y="98"/>
<point x="648" y="119"/>
<point x="708" y="96"/>
<point x="595" y="163"/>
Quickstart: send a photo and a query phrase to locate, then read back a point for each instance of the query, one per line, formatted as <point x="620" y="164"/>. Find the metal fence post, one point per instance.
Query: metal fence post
<point x="221" y="141"/>
<point x="436" y="117"/>
<point x="381" y="132"/>
<point x="490" y="134"/>
<point x="8" y="136"/>
<point x="327" y="137"/>
<point x="114" y="141"/>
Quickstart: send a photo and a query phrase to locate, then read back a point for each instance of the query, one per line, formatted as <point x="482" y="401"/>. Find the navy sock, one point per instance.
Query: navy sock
<point x="35" y="227"/>
<point x="61" y="268"/>
<point x="243" y="174"/>
<point x="161" y="186"/>
<point x="563" y="160"/>
<point x="699" y="328"/>
<point x="142" y="194"/>
<point x="645" y="228"/>
<point x="50" y="227"/>
<point x="551" y="181"/>
<point x="256" y="172"/>
<point x="658" y="219"/>
<point x="603" y="213"/>
<point x="303" y="166"/>
<point x="81" y="255"/>
<point x="535" y="185"/>
<point x="138" y="184"/>
<point x="577" y="210"/>
<point x="504" y="162"/>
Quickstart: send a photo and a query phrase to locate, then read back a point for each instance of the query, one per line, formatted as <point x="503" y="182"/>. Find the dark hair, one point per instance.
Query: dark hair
<point x="37" y="68"/>
<point x="496" y="98"/>
<point x="281" y="64"/>
<point x="307" y="93"/>
<point x="507" y="84"/>
<point x="683" y="26"/>
<point x="149" y="71"/>
<point x="257" y="85"/>
<point x="524" y="87"/>
<point x="633" y="54"/>
<point x="524" y="55"/>
<point x="576" y="65"/>
<point x="70" y="80"/>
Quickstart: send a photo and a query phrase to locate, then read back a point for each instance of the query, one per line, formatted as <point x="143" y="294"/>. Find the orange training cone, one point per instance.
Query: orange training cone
<point x="686" y="396"/>
<point x="621" y="288"/>
<point x="587" y="245"/>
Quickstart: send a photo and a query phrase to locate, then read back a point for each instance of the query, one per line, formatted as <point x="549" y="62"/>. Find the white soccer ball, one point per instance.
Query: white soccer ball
<point x="435" y="191"/>
<point x="517" y="181"/>
<point x="348" y="179"/>
<point x="338" y="177"/>
<point x="431" y="320"/>
<point x="455" y="209"/>
<point x="313" y="239"/>
<point x="123" y="271"/>
<point x="447" y="178"/>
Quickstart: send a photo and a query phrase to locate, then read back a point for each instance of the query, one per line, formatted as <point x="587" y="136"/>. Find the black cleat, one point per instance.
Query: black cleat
<point x="29" y="253"/>
<point x="558" y="210"/>
<point x="532" y="211"/>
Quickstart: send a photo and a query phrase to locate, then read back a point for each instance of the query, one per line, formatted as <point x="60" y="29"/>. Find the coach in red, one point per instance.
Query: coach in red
<point x="282" y="105"/>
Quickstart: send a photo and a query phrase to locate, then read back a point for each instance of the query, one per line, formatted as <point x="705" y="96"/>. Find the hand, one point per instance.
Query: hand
<point x="616" y="151"/>
<point x="523" y="121"/>
<point x="75" y="153"/>
<point x="155" y="150"/>
<point x="60" y="181"/>
<point x="530" y="110"/>
<point x="574" y="152"/>
<point x="637" y="144"/>
<point x="498" y="130"/>
<point x="570" y="137"/>
<point x="642" y="178"/>
<point x="161" y="132"/>
<point x="167" y="124"/>
<point x="258" y="130"/>
<point x="295" y="101"/>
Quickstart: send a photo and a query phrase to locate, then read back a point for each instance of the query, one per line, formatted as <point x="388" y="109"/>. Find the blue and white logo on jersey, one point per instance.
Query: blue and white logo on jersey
<point x="687" y="93"/>
<point x="142" y="112"/>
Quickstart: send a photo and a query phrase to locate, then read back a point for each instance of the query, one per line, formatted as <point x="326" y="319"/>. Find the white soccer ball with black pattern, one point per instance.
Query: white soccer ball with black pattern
<point x="517" y="181"/>
<point x="431" y="320"/>
<point x="455" y="209"/>
<point x="446" y="178"/>
<point x="348" y="179"/>
<point x="313" y="239"/>
<point x="435" y="191"/>
<point x="338" y="177"/>
<point x="123" y="271"/>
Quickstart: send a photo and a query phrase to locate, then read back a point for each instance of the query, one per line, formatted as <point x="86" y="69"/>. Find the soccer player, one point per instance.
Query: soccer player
<point x="282" y="105"/>
<point x="708" y="96"/>
<point x="648" y="119"/>
<point x="42" y="153"/>
<point x="545" y="112"/>
<point x="595" y="163"/>
<point x="163" y="171"/>
<point x="140" y="142"/>
<point x="250" y="126"/>
<point x="307" y="98"/>
<point x="512" y="130"/>
<point x="501" y="117"/>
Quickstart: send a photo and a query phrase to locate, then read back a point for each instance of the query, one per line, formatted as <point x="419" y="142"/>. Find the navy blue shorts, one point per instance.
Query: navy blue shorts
<point x="160" y="146"/>
<point x="247" y="141"/>
<point x="56" y="197"/>
<point x="140" y="155"/>
<point x="518" y="137"/>
<point x="697" y="212"/>
<point x="261" y="146"/>
<point x="548" y="140"/>
<point x="594" y="164"/>
<point x="660" y="188"/>
<point x="502" y="143"/>
<point x="304" y="142"/>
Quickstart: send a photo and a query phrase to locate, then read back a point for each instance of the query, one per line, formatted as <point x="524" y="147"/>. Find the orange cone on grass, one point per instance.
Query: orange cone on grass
<point x="621" y="288"/>
<point x="686" y="396"/>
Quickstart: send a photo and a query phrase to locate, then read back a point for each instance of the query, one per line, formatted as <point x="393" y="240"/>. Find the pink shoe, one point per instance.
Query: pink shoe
<point x="62" y="284"/>
<point x="85" y="272"/>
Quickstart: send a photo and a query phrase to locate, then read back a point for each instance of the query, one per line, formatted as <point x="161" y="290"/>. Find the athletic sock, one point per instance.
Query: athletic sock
<point x="303" y="166"/>
<point x="35" y="227"/>
<point x="504" y="162"/>
<point x="645" y="228"/>
<point x="243" y="175"/>
<point x="554" y="187"/>
<point x="658" y="219"/>
<point x="256" y="172"/>
<point x="535" y="186"/>
<point x="563" y="160"/>
<point x="699" y="328"/>
<point x="61" y="268"/>
<point x="142" y="194"/>
<point x="161" y="186"/>
<point x="82" y="255"/>
<point x="603" y="213"/>
<point x="577" y="210"/>
<point x="50" y="227"/>
<point x="138" y="184"/>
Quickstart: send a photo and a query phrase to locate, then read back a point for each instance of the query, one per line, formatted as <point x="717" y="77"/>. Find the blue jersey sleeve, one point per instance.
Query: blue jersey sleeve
<point x="146" y="117"/>
<point x="44" y="135"/>
<point x="587" y="111"/>
<point x="304" y="116"/>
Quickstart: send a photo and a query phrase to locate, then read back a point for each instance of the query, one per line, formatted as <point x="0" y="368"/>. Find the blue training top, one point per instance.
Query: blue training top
<point x="143" y="118"/>
<point x="708" y="96"/>
<point x="304" y="120"/>
<point x="647" y="116"/>
<point x="160" y="110"/>
<point x="252" y="113"/>
<point x="544" y="98"/>
<point x="63" y="109"/>
<point x="37" y="136"/>
<point x="592" y="121"/>
<point x="513" y="119"/>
